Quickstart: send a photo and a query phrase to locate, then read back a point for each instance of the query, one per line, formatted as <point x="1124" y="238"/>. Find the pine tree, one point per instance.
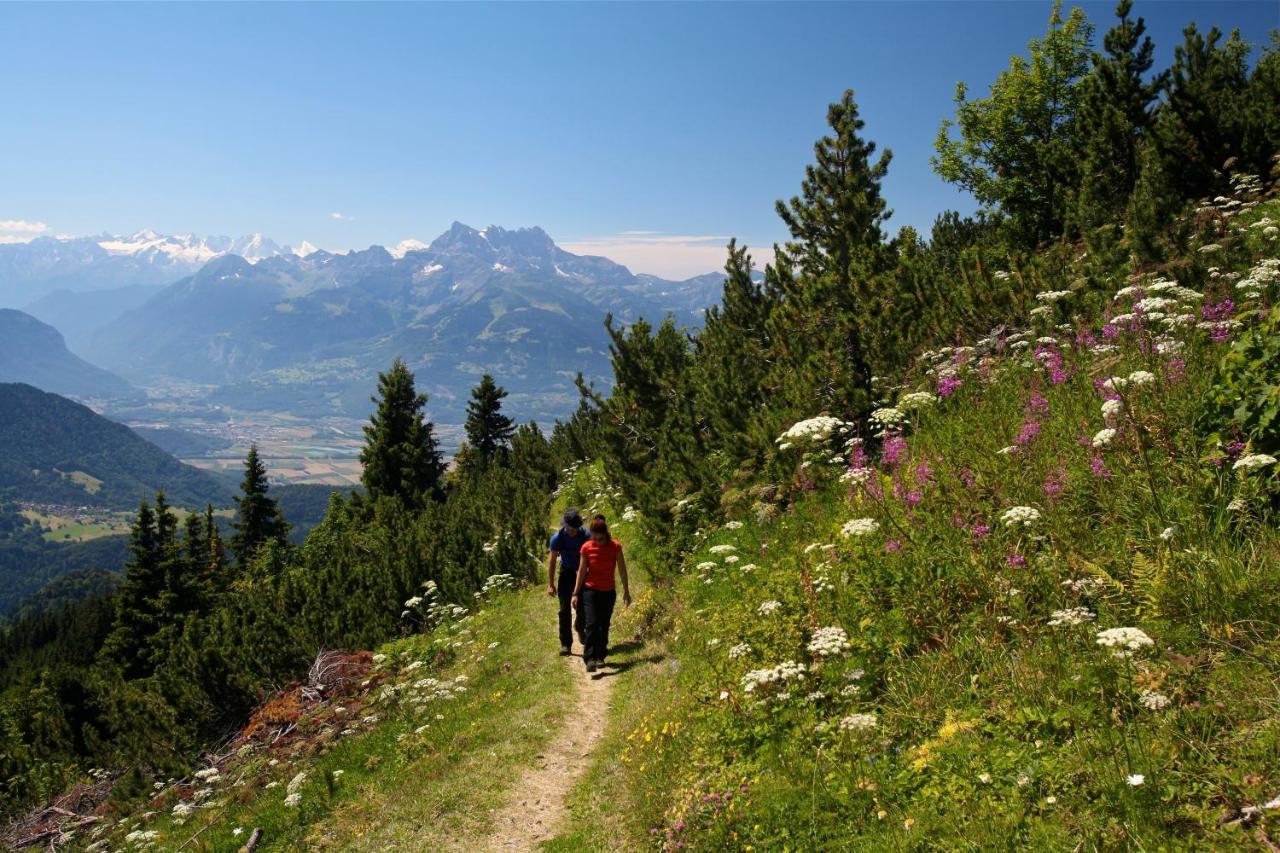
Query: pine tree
<point x="732" y="357"/>
<point x="1115" y="111"/>
<point x="1204" y="121"/>
<point x="258" y="518"/>
<point x="489" y="431"/>
<point x="401" y="458"/>
<point x="825" y="276"/>
<point x="836" y="219"/>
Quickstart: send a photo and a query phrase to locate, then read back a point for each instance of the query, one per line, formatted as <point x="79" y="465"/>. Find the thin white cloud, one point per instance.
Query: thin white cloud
<point x="667" y="255"/>
<point x="21" y="226"/>
<point x="341" y="217"/>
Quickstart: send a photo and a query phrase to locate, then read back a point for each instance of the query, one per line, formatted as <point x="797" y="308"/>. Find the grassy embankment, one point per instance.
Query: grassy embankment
<point x="1041" y="614"/>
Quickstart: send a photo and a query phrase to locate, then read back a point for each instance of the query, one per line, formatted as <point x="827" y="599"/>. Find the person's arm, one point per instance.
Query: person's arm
<point x="551" y="573"/>
<point x="581" y="579"/>
<point x="626" y="587"/>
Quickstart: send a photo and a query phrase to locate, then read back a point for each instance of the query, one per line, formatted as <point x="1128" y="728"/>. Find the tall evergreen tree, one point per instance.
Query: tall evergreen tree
<point x="732" y="357"/>
<point x="401" y="458"/>
<point x="258" y="519"/>
<point x="1204" y="121"/>
<point x="141" y="597"/>
<point x="824" y="277"/>
<point x="489" y="431"/>
<point x="1115" y="111"/>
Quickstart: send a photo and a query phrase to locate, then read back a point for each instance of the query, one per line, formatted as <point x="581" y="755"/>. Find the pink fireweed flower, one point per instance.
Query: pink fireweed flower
<point x="947" y="385"/>
<point x="923" y="473"/>
<point x="1037" y="403"/>
<point x="893" y="546"/>
<point x="1030" y="429"/>
<point x="1099" y="470"/>
<point x="1110" y="332"/>
<point x="979" y="531"/>
<point x="1015" y="560"/>
<point x="1055" y="482"/>
<point x="895" y="448"/>
<point x="966" y="477"/>
<point x="1222" y="311"/>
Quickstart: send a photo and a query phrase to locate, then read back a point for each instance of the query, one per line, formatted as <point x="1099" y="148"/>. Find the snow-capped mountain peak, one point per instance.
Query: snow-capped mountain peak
<point x="404" y="247"/>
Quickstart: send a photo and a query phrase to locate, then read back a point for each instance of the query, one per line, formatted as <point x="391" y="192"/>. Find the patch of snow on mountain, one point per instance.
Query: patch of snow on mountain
<point x="404" y="247"/>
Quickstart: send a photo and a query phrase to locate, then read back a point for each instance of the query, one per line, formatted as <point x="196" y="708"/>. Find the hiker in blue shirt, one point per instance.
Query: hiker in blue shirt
<point x="566" y="546"/>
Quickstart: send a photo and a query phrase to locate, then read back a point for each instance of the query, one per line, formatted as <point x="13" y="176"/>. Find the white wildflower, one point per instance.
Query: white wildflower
<point x="1253" y="462"/>
<point x="1141" y="377"/>
<point x="1103" y="437"/>
<point x="780" y="674"/>
<point x="858" y="723"/>
<point x="827" y="642"/>
<point x="1153" y="701"/>
<point x="1071" y="616"/>
<point x="1129" y="639"/>
<point x="768" y="607"/>
<point x="859" y="527"/>
<point x="810" y="431"/>
<point x="1020" y="516"/>
<point x="1136" y="779"/>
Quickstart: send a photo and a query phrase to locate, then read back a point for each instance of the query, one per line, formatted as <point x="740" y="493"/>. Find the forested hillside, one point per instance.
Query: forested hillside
<point x="958" y="541"/>
<point x="58" y="451"/>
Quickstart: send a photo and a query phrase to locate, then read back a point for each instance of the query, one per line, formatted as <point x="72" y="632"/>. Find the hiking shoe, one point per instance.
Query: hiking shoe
<point x="591" y="666"/>
<point x="565" y="651"/>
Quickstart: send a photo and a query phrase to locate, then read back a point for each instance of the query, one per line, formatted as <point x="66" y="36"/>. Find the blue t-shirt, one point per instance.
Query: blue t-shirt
<point x="569" y="548"/>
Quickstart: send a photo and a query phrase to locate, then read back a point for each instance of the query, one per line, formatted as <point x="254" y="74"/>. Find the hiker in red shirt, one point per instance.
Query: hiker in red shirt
<point x="595" y="592"/>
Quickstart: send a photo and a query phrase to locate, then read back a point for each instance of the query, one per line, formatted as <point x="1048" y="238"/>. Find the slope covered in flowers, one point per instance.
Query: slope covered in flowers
<point x="1038" y="607"/>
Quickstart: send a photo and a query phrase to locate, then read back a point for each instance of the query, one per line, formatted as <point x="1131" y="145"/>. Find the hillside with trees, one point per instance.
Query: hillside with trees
<point x="966" y="540"/>
<point x="58" y="451"/>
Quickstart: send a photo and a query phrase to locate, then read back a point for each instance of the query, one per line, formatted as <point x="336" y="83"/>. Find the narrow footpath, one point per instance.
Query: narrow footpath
<point x="537" y="806"/>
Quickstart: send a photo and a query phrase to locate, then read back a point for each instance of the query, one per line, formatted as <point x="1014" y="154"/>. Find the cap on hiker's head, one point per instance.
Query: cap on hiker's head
<point x="572" y="518"/>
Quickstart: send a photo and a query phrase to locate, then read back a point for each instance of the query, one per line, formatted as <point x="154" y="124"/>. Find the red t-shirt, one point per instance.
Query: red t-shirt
<point x="602" y="560"/>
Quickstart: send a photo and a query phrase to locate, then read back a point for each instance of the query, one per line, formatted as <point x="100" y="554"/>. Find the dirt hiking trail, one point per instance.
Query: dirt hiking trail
<point x="537" y="805"/>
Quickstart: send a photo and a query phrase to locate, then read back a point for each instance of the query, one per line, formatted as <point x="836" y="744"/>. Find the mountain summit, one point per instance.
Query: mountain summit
<point x="313" y="330"/>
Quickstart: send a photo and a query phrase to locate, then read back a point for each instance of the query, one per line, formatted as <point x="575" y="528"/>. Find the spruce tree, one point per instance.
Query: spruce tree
<point x="489" y="431"/>
<point x="401" y="458"/>
<point x="142" y="598"/>
<point x="258" y="518"/>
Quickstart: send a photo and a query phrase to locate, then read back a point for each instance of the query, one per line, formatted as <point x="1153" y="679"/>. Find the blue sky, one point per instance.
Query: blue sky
<point x="648" y="132"/>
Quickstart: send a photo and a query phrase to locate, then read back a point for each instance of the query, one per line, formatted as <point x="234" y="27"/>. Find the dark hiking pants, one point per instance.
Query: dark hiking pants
<point x="569" y="621"/>
<point x="598" y="605"/>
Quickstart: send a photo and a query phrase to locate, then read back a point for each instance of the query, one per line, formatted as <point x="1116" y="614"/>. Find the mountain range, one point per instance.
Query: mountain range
<point x="45" y="265"/>
<point x="308" y="333"/>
